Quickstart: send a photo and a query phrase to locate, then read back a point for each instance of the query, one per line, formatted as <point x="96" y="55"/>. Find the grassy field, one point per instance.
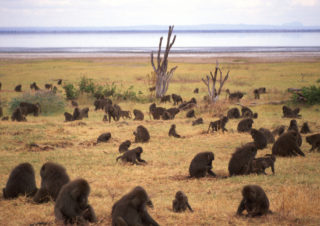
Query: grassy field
<point x="294" y="190"/>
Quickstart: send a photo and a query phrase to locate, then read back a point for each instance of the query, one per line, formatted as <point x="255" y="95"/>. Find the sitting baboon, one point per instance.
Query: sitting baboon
<point x="76" y="114"/>
<point x="259" y="139"/>
<point x="53" y="177"/>
<point x="68" y="117"/>
<point x="28" y="108"/>
<point x="197" y="122"/>
<point x="138" y="115"/>
<point x="196" y="90"/>
<point x="17" y="116"/>
<point x="190" y="114"/>
<point x="262" y="90"/>
<point x="152" y="108"/>
<point x="165" y="99"/>
<point x="256" y="94"/>
<point x="201" y="165"/>
<point x="102" y="103"/>
<point x="219" y="124"/>
<point x="180" y="203"/>
<point x="172" y="131"/>
<point x="254" y="201"/>
<point x="286" y="145"/>
<point x="124" y="146"/>
<point x="314" y="141"/>
<point x="74" y="103"/>
<point x="20" y="182"/>
<point x="305" y="128"/>
<point x="59" y="81"/>
<point x="233" y="113"/>
<point x="48" y="86"/>
<point x="166" y="115"/>
<point x="6" y="118"/>
<point x="173" y="112"/>
<point x="289" y="113"/>
<point x="132" y="156"/>
<point x="245" y="125"/>
<point x="188" y="105"/>
<point x="279" y="130"/>
<point x="34" y="86"/>
<point x="18" y="88"/>
<point x="131" y="209"/>
<point x="268" y="135"/>
<point x="259" y="165"/>
<point x="72" y="204"/>
<point x="84" y="113"/>
<point x="141" y="135"/>
<point x="241" y="159"/>
<point x="104" y="137"/>
<point x="234" y="96"/>
<point x="294" y="126"/>
<point x="247" y="113"/>
<point x="176" y="99"/>
<point x="157" y="112"/>
<point x="125" y="114"/>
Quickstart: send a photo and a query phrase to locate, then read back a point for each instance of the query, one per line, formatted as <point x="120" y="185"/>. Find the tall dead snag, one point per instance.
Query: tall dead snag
<point x="163" y="76"/>
<point x="213" y="93"/>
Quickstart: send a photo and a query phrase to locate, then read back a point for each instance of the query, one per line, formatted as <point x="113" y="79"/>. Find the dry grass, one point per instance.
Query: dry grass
<point x="294" y="191"/>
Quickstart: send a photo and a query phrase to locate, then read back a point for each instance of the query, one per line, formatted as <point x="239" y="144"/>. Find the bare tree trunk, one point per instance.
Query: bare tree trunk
<point x="163" y="76"/>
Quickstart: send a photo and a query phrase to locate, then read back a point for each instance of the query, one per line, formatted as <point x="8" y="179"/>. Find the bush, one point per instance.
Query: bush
<point x="50" y="102"/>
<point x="311" y="94"/>
<point x="318" y="81"/>
<point x="71" y="92"/>
<point x="86" y="85"/>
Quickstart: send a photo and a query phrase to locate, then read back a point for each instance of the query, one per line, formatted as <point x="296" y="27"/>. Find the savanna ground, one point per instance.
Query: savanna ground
<point x="294" y="191"/>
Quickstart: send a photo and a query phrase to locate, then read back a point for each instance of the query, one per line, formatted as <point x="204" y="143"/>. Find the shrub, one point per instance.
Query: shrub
<point x="71" y="92"/>
<point x="318" y="81"/>
<point x="87" y="85"/>
<point x="311" y="94"/>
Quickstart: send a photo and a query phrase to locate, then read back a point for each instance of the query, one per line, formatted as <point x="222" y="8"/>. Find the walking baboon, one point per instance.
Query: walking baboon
<point x="305" y="128"/>
<point x="256" y="94"/>
<point x="219" y="124"/>
<point x="245" y="125"/>
<point x="133" y="156"/>
<point x="259" y="165"/>
<point x="268" y="135"/>
<point x="188" y="105"/>
<point x="104" y="137"/>
<point x="190" y="114"/>
<point x="28" y="108"/>
<point x="286" y="145"/>
<point x="141" y="134"/>
<point x="20" y="182"/>
<point x="124" y="146"/>
<point x="176" y="99"/>
<point x="234" y="96"/>
<point x="289" y="113"/>
<point x="180" y="203"/>
<point x="314" y="141"/>
<point x="17" y="116"/>
<point x="138" y="115"/>
<point x="233" y="113"/>
<point x="125" y="114"/>
<point x="197" y="122"/>
<point x="259" y="139"/>
<point x="165" y="99"/>
<point x="201" y="165"/>
<point x="18" y="88"/>
<point x="172" y="131"/>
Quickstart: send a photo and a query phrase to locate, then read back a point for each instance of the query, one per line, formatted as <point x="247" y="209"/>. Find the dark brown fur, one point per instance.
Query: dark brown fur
<point x="294" y="126"/>
<point x="28" y="108"/>
<point x="286" y="145"/>
<point x="259" y="139"/>
<point x="289" y="113"/>
<point x="197" y="122"/>
<point x="138" y="115"/>
<point x="219" y="124"/>
<point x="18" y="88"/>
<point x="133" y="156"/>
<point x="259" y="165"/>
<point x="124" y="146"/>
<point x="17" y="116"/>
<point x="269" y="136"/>
<point x="105" y="137"/>
<point x="191" y="114"/>
<point x="180" y="203"/>
<point x="314" y="141"/>
<point x="165" y="99"/>
<point x="233" y="113"/>
<point x="172" y="131"/>
<point x="68" y="117"/>
<point x="245" y="125"/>
<point x="201" y="165"/>
<point x="141" y="134"/>
<point x="305" y="128"/>
<point x="176" y="99"/>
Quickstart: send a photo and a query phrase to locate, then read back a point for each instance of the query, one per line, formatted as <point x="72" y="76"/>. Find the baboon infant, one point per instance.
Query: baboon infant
<point x="219" y="124"/>
<point x="141" y="135"/>
<point x="132" y="156"/>
<point x="260" y="164"/>
<point x="201" y="165"/>
<point x="314" y="141"/>
<point x="124" y="146"/>
<point x="180" y="203"/>
<point x="172" y="131"/>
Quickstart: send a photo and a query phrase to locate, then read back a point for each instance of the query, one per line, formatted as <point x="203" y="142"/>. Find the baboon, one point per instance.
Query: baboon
<point x="68" y="117"/>
<point x="176" y="99"/>
<point x="201" y="165"/>
<point x="189" y="104"/>
<point x="286" y="145"/>
<point x="314" y="141"/>
<point x="138" y="115"/>
<point x="141" y="134"/>
<point x="247" y="113"/>
<point x="305" y="128"/>
<point x="124" y="146"/>
<point x="289" y="113"/>
<point x="53" y="177"/>
<point x="196" y="90"/>
<point x="173" y="112"/>
<point x="20" y="182"/>
<point x="268" y="135"/>
<point x="34" y="86"/>
<point x="74" y="103"/>
<point x="233" y="113"/>
<point x="131" y="209"/>
<point x="254" y="201"/>
<point x="259" y="139"/>
<point x="1" y="112"/>
<point x="6" y="118"/>
<point x="234" y="96"/>
<point x="113" y="111"/>
<point x="84" y="113"/>
<point x="259" y="165"/>
<point x="165" y="99"/>
<point x="190" y="114"/>
<point x="76" y="114"/>
<point x="256" y="94"/>
<point x="17" y="116"/>
<point x="28" y="108"/>
<point x="152" y="88"/>
<point x="105" y="118"/>
<point x="105" y="137"/>
<point x="245" y="125"/>
<point x="172" y="131"/>
<point x="166" y="115"/>
<point x="152" y="108"/>
<point x="59" y="81"/>
<point x="48" y="86"/>
<point x="180" y="203"/>
<point x="219" y="124"/>
<point x="18" y="88"/>
<point x="197" y="122"/>
<point x="102" y="103"/>
<point x="125" y="114"/>
<point x="279" y="130"/>
<point x="157" y="112"/>
<point x="133" y="156"/>
<point x="55" y="89"/>
<point x="294" y="126"/>
<point x="262" y="90"/>
<point x="241" y="159"/>
<point x="72" y="204"/>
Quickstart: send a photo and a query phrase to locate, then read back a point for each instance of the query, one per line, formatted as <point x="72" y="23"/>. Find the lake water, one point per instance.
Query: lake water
<point x="142" y="41"/>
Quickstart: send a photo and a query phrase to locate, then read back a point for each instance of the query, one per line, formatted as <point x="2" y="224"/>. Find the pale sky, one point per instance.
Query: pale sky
<point x="83" y="13"/>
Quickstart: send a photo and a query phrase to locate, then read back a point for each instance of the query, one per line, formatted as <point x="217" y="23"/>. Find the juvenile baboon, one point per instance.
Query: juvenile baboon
<point x="105" y="137"/>
<point x="268" y="135"/>
<point x="18" y="88"/>
<point x="279" y="130"/>
<point x="289" y="113"/>
<point x="259" y="139"/>
<point x="105" y="118"/>
<point x="201" y="165"/>
<point x="141" y="134"/>
<point x="72" y="204"/>
<point x="173" y="112"/>
<point x="256" y="94"/>
<point x="305" y="128"/>
<point x="176" y="99"/>
<point x="20" y="182"/>
<point x="165" y="99"/>
<point x="180" y="203"/>
<point x="138" y="115"/>
<point x="133" y="156"/>
<point x="76" y="114"/>
<point x="6" y="118"/>
<point x="53" y="177"/>
<point x="172" y="131"/>
<point x="74" y="103"/>
<point x="28" y="108"/>
<point x="196" y="90"/>
<point x="259" y="165"/>
<point x="190" y="114"/>
<point x="245" y="125"/>
<point x="314" y="141"/>
<point x="286" y="145"/>
<point x="48" y="86"/>
<point x="17" y="116"/>
<point x="294" y="126"/>
<point x="68" y="117"/>
<point x="241" y="159"/>
<point x="84" y="113"/>
<point x="233" y="113"/>
<point x="234" y="96"/>
<point x="125" y="114"/>
<point x="124" y="146"/>
<point x="254" y="201"/>
<point x="131" y="209"/>
<point x="219" y="124"/>
<point x="197" y="122"/>
<point x="34" y="86"/>
<point x="59" y="81"/>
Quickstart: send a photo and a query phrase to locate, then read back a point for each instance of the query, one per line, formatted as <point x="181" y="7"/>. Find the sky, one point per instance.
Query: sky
<point x="100" y="13"/>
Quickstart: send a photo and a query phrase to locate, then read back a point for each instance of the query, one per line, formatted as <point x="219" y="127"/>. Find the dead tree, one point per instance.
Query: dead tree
<point x="213" y="92"/>
<point x="162" y="73"/>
